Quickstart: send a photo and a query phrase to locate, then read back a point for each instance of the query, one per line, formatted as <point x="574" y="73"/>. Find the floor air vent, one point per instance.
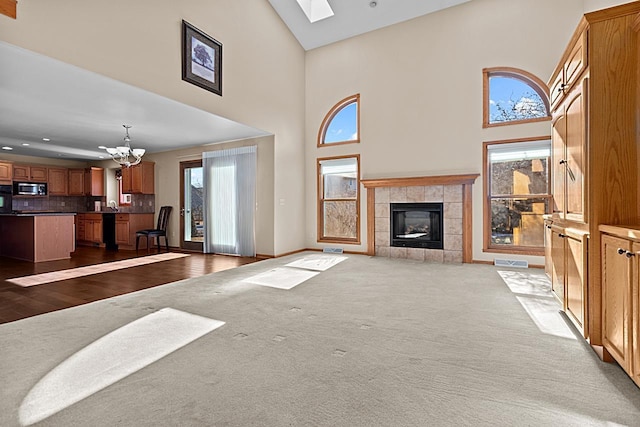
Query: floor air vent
<point x="510" y="263"/>
<point x="332" y="250"/>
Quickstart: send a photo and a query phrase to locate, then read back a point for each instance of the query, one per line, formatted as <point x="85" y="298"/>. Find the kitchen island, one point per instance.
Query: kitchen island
<point x="37" y="236"/>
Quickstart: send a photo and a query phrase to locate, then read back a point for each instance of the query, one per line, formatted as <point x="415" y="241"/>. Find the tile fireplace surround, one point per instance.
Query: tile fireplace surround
<point x="454" y="191"/>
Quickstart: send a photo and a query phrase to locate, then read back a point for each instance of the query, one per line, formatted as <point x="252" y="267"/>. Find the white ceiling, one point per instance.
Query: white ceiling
<point x="79" y="110"/>
<point x="353" y="17"/>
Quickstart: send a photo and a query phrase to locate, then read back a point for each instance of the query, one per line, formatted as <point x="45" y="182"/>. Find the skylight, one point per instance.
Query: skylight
<point x="316" y="9"/>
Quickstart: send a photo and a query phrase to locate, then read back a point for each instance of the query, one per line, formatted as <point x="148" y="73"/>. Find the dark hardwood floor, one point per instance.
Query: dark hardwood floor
<point x="17" y="302"/>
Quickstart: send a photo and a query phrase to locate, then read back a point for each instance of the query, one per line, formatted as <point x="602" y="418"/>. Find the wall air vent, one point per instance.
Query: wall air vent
<point x="510" y="263"/>
<point x="332" y="250"/>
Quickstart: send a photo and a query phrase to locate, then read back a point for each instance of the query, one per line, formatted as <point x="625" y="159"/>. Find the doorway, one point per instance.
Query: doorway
<point x="191" y="206"/>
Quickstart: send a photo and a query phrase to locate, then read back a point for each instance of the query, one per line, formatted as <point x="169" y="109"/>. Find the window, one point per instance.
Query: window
<point x="342" y="124"/>
<point x="517" y="194"/>
<point x="339" y="199"/>
<point x="513" y="96"/>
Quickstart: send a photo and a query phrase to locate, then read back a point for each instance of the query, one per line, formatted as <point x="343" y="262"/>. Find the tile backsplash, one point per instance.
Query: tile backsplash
<point x="140" y="203"/>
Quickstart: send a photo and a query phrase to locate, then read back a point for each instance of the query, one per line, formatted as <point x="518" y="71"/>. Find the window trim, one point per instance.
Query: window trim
<point x="486" y="203"/>
<point x="534" y="82"/>
<point x="320" y="203"/>
<point x="332" y="113"/>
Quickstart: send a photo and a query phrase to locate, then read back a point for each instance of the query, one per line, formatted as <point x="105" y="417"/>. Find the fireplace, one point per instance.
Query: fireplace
<point x="417" y="225"/>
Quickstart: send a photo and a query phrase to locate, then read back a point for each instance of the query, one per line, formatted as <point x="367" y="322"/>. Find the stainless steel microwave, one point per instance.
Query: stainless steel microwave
<point x="30" y="188"/>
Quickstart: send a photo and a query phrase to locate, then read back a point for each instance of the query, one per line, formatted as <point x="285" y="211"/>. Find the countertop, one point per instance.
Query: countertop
<point x="624" y="231"/>
<point x="35" y="213"/>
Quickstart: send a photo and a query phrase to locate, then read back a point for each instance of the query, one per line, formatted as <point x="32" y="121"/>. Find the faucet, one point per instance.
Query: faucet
<point x="113" y="205"/>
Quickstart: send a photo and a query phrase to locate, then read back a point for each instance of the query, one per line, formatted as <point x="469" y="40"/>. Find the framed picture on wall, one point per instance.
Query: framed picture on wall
<point x="201" y="59"/>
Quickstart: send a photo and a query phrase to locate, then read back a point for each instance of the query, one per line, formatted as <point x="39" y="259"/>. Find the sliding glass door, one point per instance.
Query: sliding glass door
<point x="191" y="206"/>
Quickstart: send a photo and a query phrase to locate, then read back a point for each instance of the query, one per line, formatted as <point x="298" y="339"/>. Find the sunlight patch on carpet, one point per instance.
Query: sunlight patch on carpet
<point x="533" y="292"/>
<point x="317" y="262"/>
<point x="112" y="358"/>
<point x="72" y="273"/>
<point x="282" y="278"/>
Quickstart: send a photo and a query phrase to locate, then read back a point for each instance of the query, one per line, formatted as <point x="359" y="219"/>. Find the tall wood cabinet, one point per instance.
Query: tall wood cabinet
<point x="594" y="100"/>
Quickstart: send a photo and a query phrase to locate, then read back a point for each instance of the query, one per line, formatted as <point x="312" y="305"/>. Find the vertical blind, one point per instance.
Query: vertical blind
<point x="230" y="200"/>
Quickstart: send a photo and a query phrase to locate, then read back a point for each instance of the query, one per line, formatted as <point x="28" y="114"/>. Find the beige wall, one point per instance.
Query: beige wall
<point x="138" y="42"/>
<point x="167" y="177"/>
<point x="421" y="92"/>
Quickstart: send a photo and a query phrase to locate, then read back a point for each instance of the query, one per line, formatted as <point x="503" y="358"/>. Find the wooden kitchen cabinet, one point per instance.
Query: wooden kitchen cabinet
<point x="568" y="154"/>
<point x="6" y="172"/>
<point x="126" y="226"/>
<point x="621" y="296"/>
<point x="138" y="179"/>
<point x="594" y="170"/>
<point x="570" y="69"/>
<point x="569" y="273"/>
<point x="58" y="182"/>
<point x="94" y="181"/>
<point x="30" y="173"/>
<point x="89" y="228"/>
<point x="76" y="182"/>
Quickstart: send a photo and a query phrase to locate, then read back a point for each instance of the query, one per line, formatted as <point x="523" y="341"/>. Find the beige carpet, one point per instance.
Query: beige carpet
<point x="369" y="342"/>
<point x="55" y="276"/>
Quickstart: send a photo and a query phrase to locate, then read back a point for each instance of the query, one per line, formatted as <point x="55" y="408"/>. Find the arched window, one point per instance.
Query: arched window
<point x="513" y="96"/>
<point x="342" y="124"/>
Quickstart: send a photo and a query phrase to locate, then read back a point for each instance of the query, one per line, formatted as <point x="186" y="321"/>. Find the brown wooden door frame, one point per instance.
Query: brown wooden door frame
<point x="190" y="246"/>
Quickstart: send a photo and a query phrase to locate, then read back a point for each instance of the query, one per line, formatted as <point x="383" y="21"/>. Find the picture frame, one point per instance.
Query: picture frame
<point x="201" y="59"/>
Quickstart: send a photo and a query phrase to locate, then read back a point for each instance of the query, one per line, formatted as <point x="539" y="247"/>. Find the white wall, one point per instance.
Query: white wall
<point x="421" y="92"/>
<point x="138" y="42"/>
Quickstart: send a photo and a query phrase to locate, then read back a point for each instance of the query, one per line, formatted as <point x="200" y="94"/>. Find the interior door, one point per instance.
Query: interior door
<point x="191" y="204"/>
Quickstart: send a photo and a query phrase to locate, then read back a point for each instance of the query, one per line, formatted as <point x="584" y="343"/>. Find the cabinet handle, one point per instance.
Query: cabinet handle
<point x="621" y="251"/>
<point x="563" y="162"/>
<point x="629" y="254"/>
<point x="562" y="235"/>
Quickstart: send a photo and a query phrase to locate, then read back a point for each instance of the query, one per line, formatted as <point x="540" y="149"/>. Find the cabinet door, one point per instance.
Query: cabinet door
<point x="635" y="341"/>
<point x="96" y="227"/>
<point x="122" y="232"/>
<point x="126" y="180"/>
<point x="38" y="174"/>
<point x="575" y="154"/>
<point x="94" y="182"/>
<point x="58" y="182"/>
<point x="21" y="173"/>
<point x="576" y="62"/>
<point x="576" y="281"/>
<point x="616" y="299"/>
<point x="6" y="171"/>
<point x="558" y="266"/>
<point x="76" y="182"/>
<point x="558" y="132"/>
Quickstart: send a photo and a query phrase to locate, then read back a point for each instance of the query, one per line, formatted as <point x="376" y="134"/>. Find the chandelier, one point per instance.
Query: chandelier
<point x="124" y="155"/>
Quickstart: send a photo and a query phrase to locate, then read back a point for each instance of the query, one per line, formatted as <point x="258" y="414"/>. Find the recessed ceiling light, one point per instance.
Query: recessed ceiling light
<point x="316" y="9"/>
<point x="46" y="139"/>
<point x="373" y="3"/>
<point x="7" y="148"/>
<point x="102" y="147"/>
<point x="25" y="144"/>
